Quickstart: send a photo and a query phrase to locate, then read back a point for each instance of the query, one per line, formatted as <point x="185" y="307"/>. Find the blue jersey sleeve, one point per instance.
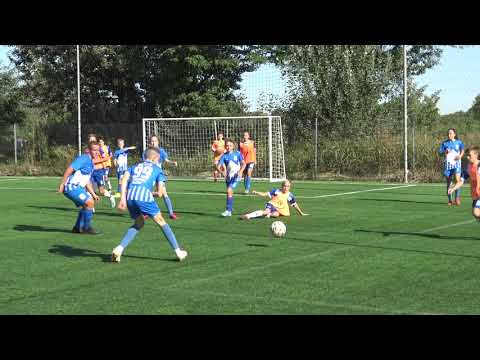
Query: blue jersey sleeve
<point x="441" y="150"/>
<point x="163" y="155"/>
<point x="273" y="192"/>
<point x="291" y="199"/>
<point x="461" y="146"/>
<point x="80" y="162"/>
<point x="240" y="157"/>
<point x="222" y="160"/>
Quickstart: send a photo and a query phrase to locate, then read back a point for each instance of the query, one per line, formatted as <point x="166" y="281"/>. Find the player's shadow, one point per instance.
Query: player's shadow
<point x="181" y="212"/>
<point x="115" y="214"/>
<point x="39" y="228"/>
<point x="420" y="234"/>
<point x="404" y="201"/>
<point x="71" y="252"/>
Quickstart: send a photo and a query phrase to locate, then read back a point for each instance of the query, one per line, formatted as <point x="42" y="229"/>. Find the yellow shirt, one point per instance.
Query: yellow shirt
<point x="281" y="201"/>
<point x="218" y="148"/>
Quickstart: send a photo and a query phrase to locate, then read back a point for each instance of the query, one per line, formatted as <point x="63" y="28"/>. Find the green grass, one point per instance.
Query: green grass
<point x="374" y="252"/>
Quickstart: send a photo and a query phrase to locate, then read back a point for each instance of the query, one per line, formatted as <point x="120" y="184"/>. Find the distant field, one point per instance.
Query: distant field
<point x="368" y="248"/>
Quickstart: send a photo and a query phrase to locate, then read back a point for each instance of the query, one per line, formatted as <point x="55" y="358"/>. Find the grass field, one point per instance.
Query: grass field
<point x="367" y="249"/>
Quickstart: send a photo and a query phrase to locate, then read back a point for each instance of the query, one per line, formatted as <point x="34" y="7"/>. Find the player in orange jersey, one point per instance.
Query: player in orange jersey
<point x="473" y="173"/>
<point x="218" y="148"/>
<point x="249" y="153"/>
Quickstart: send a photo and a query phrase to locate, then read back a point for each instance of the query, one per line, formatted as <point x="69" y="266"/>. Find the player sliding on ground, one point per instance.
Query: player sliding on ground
<point x="154" y="143"/>
<point x="453" y="150"/>
<point x="473" y="173"/>
<point x="120" y="160"/>
<point x="280" y="199"/>
<point x="137" y="196"/>
<point x="231" y="166"/>
<point x="249" y="153"/>
<point x="218" y="148"/>
<point x="76" y="186"/>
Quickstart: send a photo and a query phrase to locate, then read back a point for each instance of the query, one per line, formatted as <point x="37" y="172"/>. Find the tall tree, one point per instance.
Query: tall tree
<point x="10" y="98"/>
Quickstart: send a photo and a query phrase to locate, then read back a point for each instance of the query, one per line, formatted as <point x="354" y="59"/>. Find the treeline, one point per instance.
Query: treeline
<point x="354" y="93"/>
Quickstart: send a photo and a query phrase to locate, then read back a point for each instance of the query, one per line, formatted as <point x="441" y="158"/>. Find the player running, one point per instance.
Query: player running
<point x="231" y="166"/>
<point x="249" y="153"/>
<point x="120" y="160"/>
<point x="473" y="173"/>
<point x="98" y="176"/>
<point x="154" y="143"/>
<point x="453" y="149"/>
<point x="218" y="148"/>
<point x="106" y="152"/>
<point x="76" y="186"/>
<point x="280" y="199"/>
<point x="138" y="197"/>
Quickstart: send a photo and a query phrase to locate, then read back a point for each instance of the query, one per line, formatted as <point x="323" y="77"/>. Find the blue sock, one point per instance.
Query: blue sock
<point x="168" y="204"/>
<point x="457" y="194"/>
<point x="167" y="231"/>
<point x="230" y="203"/>
<point x="87" y="215"/>
<point x="448" y="187"/>
<point x="248" y="182"/>
<point x="80" y="220"/>
<point x="129" y="236"/>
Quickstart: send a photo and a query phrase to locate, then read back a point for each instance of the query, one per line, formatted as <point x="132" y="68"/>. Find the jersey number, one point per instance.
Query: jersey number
<point x="142" y="174"/>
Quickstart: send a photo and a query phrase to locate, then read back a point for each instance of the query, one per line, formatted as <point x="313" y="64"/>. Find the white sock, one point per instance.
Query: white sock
<point x="107" y="193"/>
<point x="118" y="249"/>
<point x="255" y="214"/>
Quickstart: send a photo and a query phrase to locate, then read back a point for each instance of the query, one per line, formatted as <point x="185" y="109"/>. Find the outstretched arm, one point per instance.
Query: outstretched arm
<point x="299" y="210"/>
<point x="259" y="193"/>
<point x="89" y="188"/>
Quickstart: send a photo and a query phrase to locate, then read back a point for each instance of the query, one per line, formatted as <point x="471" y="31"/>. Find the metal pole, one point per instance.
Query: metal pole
<point x="78" y="103"/>
<point x="405" y="95"/>
<point x="15" y="140"/>
<point x="316" y="146"/>
<point x="413" y="144"/>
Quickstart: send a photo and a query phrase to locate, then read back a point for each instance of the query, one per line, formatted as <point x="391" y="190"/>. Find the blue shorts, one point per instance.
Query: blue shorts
<point x="476" y="204"/>
<point x="271" y="207"/>
<point x="137" y="208"/>
<point x="451" y="172"/>
<point x="98" y="177"/>
<point x="120" y="174"/>
<point x="79" y="195"/>
<point x="232" y="183"/>
<point x="250" y="166"/>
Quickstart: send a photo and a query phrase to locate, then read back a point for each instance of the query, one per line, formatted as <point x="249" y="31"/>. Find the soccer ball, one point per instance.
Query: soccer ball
<point x="278" y="228"/>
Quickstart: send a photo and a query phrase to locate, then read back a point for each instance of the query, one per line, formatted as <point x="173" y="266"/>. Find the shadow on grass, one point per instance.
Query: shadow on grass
<point x="420" y="234"/>
<point x="405" y="201"/>
<point x="72" y="209"/>
<point x="258" y="245"/>
<point x="39" y="228"/>
<point x="71" y="252"/>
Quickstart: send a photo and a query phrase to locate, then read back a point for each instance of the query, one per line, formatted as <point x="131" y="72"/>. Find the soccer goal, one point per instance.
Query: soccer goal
<point x="189" y="140"/>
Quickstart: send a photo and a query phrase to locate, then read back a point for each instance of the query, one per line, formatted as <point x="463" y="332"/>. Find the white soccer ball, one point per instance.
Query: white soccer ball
<point x="278" y="228"/>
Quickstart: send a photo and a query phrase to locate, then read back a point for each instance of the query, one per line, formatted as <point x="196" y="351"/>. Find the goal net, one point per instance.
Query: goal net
<point x="189" y="140"/>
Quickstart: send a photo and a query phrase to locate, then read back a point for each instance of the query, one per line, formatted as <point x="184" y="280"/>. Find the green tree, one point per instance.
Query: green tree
<point x="475" y="108"/>
<point x="10" y="98"/>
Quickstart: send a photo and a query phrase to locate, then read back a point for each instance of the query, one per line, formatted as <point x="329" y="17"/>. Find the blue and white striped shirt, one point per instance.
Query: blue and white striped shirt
<point x="83" y="169"/>
<point x="143" y="177"/>
<point x="453" y="148"/>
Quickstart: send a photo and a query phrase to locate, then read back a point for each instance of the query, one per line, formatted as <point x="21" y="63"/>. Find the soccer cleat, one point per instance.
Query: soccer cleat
<point x="450" y="203"/>
<point x="112" y="201"/>
<point x="246" y="192"/>
<point x="181" y="254"/>
<point x="173" y="216"/>
<point x="76" y="230"/>
<point x="90" y="231"/>
<point x="117" y="254"/>
<point x="456" y="202"/>
<point x="244" y="217"/>
<point x="226" y="213"/>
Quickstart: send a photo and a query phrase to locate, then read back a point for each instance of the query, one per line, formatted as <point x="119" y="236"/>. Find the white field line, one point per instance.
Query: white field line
<point x="223" y="195"/>
<point x="301" y="301"/>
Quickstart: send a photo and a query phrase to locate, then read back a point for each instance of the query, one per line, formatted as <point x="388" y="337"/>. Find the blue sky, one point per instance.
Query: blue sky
<point x="457" y="76"/>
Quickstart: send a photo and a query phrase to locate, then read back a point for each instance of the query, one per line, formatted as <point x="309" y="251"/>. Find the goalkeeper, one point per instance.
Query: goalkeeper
<point x="280" y="199"/>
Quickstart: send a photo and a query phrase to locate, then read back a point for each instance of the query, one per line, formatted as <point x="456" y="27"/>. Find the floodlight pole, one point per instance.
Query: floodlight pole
<point x="15" y="140"/>
<point x="405" y="95"/>
<point x="78" y="103"/>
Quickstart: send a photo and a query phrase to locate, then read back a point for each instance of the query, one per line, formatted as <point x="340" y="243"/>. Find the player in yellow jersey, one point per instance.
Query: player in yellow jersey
<point x="218" y="148"/>
<point x="280" y="200"/>
<point x="249" y="153"/>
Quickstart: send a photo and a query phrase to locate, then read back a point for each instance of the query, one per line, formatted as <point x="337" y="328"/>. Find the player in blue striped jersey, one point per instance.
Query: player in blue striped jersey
<point x="453" y="150"/>
<point x="154" y="143"/>
<point x="120" y="160"/>
<point x="138" y="197"/>
<point x="77" y="187"/>
<point x="231" y="166"/>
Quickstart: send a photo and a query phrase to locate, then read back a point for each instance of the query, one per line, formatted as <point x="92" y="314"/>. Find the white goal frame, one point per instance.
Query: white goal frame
<point x="153" y="126"/>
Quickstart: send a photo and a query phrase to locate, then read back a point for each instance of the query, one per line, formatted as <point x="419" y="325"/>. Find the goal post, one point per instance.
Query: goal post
<point x="189" y="141"/>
